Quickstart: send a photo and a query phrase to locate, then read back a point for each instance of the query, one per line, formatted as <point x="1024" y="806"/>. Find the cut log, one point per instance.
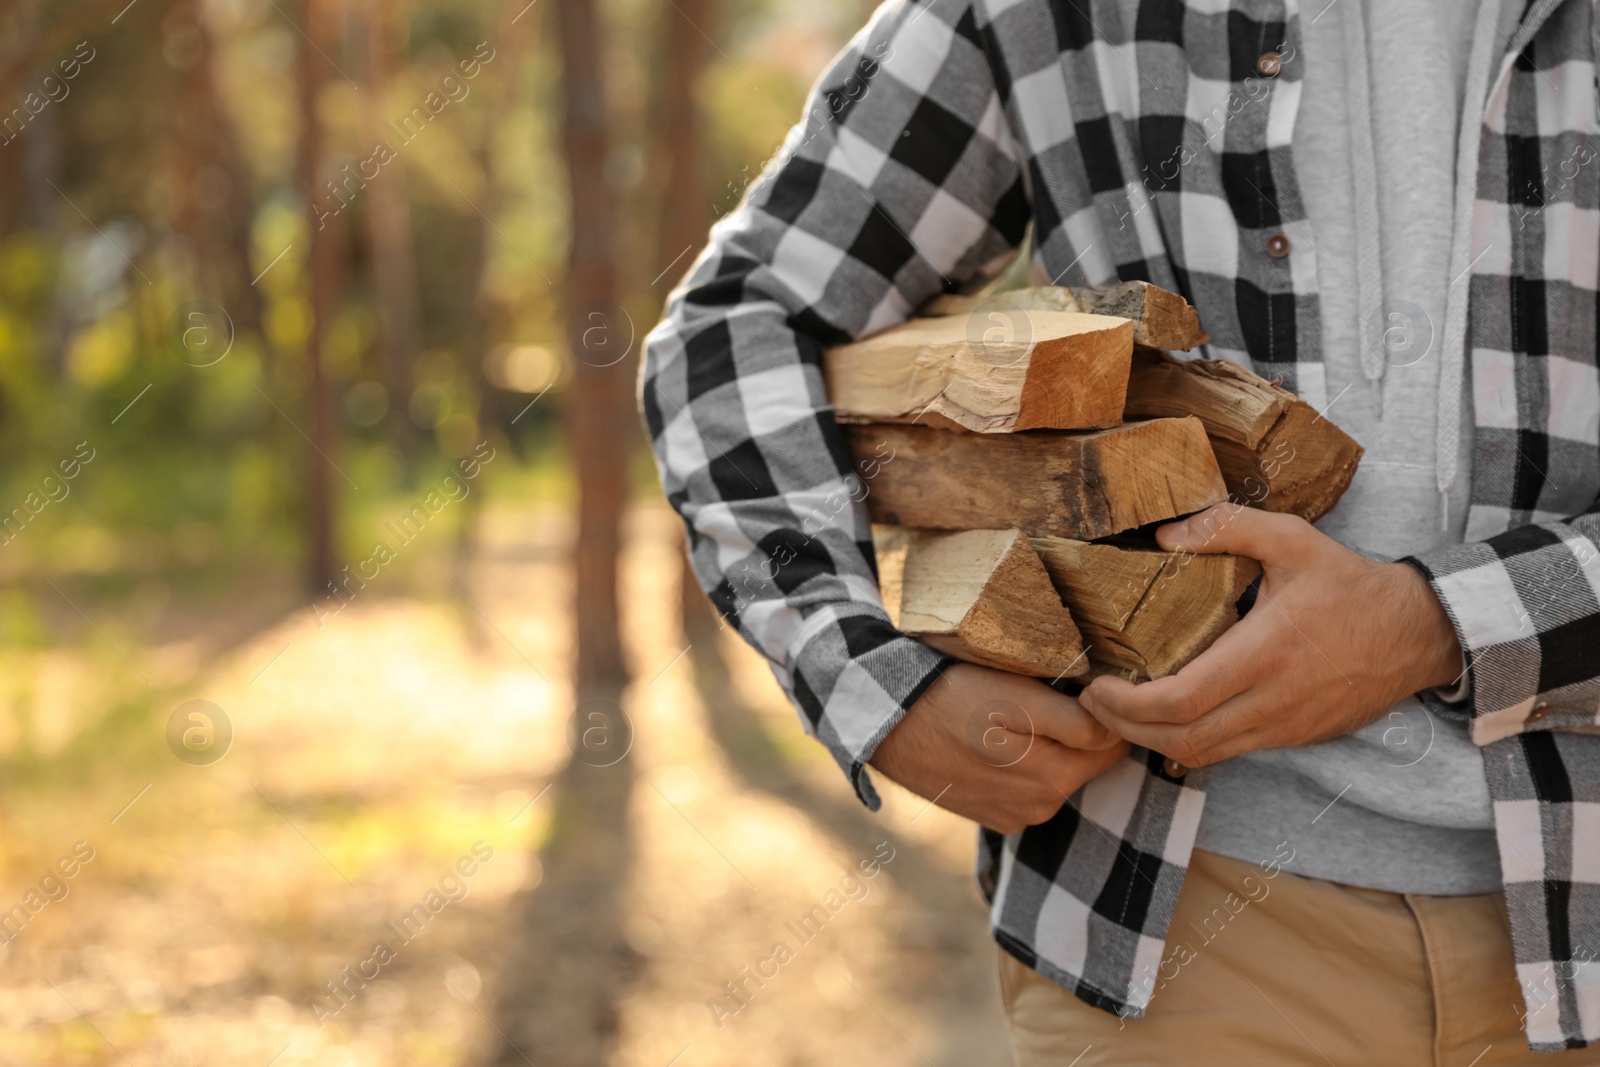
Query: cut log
<point x="979" y="595"/>
<point x="1160" y="319"/>
<point x="1145" y="613"/>
<point x="1276" y="452"/>
<point x="1045" y="483"/>
<point x="1235" y="404"/>
<point x="1025" y="370"/>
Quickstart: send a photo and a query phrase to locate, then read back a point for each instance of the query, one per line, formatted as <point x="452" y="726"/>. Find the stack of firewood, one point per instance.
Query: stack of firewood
<point x="1018" y="452"/>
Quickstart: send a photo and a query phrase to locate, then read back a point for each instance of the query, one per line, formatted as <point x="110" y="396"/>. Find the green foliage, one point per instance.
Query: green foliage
<point x="200" y="471"/>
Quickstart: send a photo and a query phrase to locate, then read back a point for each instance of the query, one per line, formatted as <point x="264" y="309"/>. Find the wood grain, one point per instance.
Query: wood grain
<point x="1161" y="319"/>
<point x="1145" y="613"/>
<point x="1276" y="451"/>
<point x="1024" y="370"/>
<point x="1045" y="483"/>
<point x="979" y="595"/>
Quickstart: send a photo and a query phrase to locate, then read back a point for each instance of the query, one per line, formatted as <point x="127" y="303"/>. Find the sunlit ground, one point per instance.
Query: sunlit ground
<point x="375" y="753"/>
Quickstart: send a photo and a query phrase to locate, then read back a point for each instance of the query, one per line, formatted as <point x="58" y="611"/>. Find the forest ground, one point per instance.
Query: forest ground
<point x="372" y="753"/>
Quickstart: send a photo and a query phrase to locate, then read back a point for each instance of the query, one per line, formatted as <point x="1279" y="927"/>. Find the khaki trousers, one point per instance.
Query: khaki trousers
<point x="1304" y="972"/>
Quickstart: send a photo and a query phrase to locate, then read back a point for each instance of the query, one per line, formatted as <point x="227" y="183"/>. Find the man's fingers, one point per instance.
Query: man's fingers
<point x="1068" y="769"/>
<point x="1224" y="670"/>
<point x="998" y="744"/>
<point x="1236" y="745"/>
<point x="1233" y="728"/>
<point x="1015" y="705"/>
<point x="1061" y="718"/>
<point x="1240" y="531"/>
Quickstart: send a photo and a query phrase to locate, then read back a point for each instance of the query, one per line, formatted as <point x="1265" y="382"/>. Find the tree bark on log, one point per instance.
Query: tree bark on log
<point x="1276" y="451"/>
<point x="1046" y="483"/>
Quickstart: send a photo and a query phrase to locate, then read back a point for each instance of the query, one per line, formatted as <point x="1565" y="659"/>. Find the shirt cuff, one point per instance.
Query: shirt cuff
<point x="853" y="680"/>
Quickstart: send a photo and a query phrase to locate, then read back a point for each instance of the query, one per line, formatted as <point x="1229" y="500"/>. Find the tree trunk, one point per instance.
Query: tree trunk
<point x="685" y="211"/>
<point x="324" y="276"/>
<point x="567" y="1016"/>
<point x="218" y="229"/>
<point x="239" y="209"/>
<point x="600" y="406"/>
<point x="483" y="326"/>
<point x="492" y="320"/>
<point x="42" y="176"/>
<point x="44" y="38"/>
<point x="394" y="264"/>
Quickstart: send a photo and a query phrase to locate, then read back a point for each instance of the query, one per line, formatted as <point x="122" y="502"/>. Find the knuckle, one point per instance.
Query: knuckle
<point x="1195" y="702"/>
<point x="1184" y="749"/>
<point x="1203" y="743"/>
<point x="1258" y="716"/>
<point x="1187" y="708"/>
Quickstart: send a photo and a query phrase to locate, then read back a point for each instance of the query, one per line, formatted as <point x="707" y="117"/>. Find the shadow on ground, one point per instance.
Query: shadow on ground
<point x="566" y="967"/>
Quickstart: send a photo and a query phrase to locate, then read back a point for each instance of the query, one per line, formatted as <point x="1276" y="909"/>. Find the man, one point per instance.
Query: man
<point x="1279" y="854"/>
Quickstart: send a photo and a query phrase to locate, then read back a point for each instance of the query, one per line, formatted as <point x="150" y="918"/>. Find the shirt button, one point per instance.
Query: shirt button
<point x="1540" y="712"/>
<point x="1278" y="246"/>
<point x="1174" y="769"/>
<point x="1270" y="65"/>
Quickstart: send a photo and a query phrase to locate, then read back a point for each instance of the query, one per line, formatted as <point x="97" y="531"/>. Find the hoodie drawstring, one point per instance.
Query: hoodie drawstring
<point x="1364" y="176"/>
<point x="1452" y="355"/>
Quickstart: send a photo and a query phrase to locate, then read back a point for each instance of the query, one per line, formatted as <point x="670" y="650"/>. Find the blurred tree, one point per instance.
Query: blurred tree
<point x="599" y="411"/>
<point x="568" y="1016"/>
<point x="324" y="280"/>
<point x="33" y="162"/>
<point x="683" y="212"/>
<point x="34" y="40"/>
<point x="216" y="207"/>
<point x="492" y="320"/>
<point x="40" y="182"/>
<point x="22" y="45"/>
<point x="679" y="149"/>
<point x="389" y="233"/>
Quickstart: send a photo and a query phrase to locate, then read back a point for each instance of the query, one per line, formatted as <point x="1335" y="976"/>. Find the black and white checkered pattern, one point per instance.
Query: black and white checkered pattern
<point x="1139" y="139"/>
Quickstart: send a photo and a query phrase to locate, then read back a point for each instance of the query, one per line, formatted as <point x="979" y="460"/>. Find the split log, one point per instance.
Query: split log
<point x="1037" y="369"/>
<point x="1145" y="613"/>
<point x="1160" y="319"/>
<point x="1046" y="483"/>
<point x="979" y="595"/>
<point x="1276" y="452"/>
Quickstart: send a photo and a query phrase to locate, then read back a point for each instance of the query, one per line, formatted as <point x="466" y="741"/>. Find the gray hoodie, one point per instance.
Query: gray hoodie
<point x="1381" y="150"/>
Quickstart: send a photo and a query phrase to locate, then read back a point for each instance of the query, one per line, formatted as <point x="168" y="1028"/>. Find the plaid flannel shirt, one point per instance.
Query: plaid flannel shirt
<point x="1142" y="139"/>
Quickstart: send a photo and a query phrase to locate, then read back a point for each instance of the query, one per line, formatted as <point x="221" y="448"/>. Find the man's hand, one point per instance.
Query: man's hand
<point x="1333" y="641"/>
<point x="1000" y="749"/>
